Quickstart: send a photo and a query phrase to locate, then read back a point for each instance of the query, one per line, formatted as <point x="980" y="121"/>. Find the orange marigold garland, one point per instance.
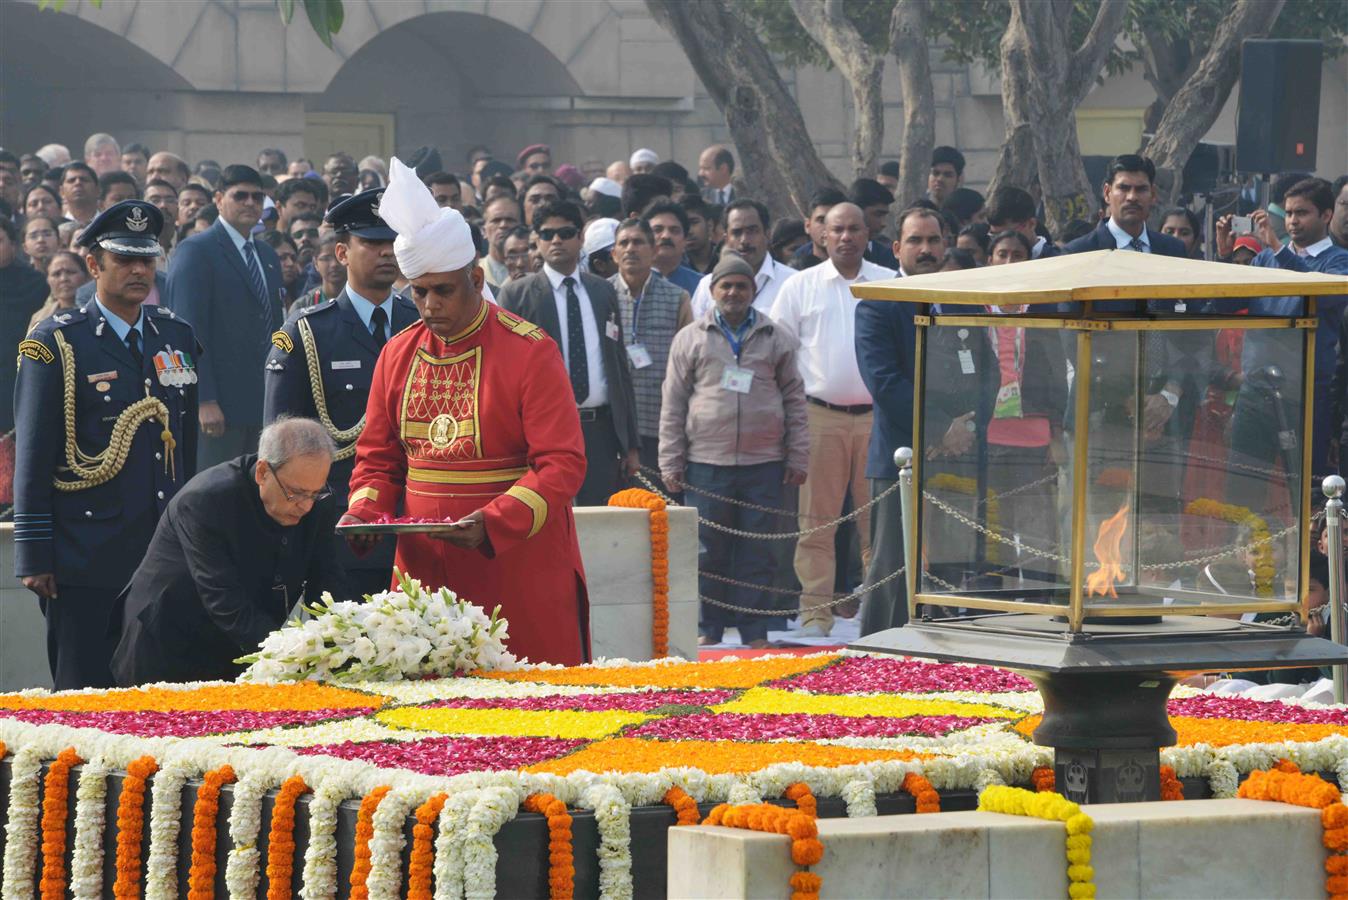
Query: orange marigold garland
<point x="636" y="498"/>
<point x="201" y="875"/>
<point x="421" y="865"/>
<point x="561" y="859"/>
<point x="685" y="807"/>
<point x="806" y="848"/>
<point x="360" y="869"/>
<point x="55" y="811"/>
<point x="131" y="827"/>
<point x="1171" y="787"/>
<point x="1043" y="779"/>
<point x="804" y="797"/>
<point x="928" y="801"/>
<point x="1284" y="784"/>
<point x="281" y="839"/>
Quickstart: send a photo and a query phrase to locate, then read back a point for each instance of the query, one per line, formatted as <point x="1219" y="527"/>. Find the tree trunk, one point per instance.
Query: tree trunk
<point x="1197" y="104"/>
<point x="1166" y="63"/>
<point x="908" y="43"/>
<point x="1015" y="161"/>
<point x="781" y="165"/>
<point x="1046" y="82"/>
<point x="827" y="24"/>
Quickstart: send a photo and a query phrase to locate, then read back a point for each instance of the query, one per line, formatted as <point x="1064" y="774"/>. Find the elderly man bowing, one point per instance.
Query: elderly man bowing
<point x="471" y="419"/>
<point x="231" y="555"/>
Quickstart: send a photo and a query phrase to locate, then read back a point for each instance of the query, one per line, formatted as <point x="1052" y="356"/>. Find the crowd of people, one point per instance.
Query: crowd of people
<point x="712" y="350"/>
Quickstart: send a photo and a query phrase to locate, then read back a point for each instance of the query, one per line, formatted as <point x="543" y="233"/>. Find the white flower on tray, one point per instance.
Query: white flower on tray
<point x="397" y="635"/>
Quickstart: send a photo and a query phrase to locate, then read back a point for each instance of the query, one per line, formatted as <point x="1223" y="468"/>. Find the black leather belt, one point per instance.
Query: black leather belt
<point x="856" y="409"/>
<point x="592" y="413"/>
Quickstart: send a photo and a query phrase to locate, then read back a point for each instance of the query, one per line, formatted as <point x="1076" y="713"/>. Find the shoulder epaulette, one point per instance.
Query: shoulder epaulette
<point x="405" y="328"/>
<point x="310" y="310"/>
<point x="164" y="312"/>
<point x="519" y="326"/>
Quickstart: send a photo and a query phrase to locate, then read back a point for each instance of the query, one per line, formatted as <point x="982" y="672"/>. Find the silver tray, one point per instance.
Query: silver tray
<point x="403" y="528"/>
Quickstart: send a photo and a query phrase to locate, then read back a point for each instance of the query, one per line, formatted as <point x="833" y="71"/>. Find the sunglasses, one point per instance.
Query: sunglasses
<point x="566" y="233"/>
<point x="245" y="196"/>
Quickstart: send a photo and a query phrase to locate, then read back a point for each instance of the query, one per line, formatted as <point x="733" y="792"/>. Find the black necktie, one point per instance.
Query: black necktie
<point x="133" y="344"/>
<point x="379" y="319"/>
<point x="577" y="361"/>
<point x="1136" y="244"/>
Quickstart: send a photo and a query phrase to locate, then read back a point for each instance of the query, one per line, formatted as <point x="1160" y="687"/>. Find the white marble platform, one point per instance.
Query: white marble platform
<point x="1228" y="849"/>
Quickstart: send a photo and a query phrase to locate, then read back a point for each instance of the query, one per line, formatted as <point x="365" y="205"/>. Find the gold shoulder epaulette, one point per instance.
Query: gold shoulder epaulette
<point x="519" y="326"/>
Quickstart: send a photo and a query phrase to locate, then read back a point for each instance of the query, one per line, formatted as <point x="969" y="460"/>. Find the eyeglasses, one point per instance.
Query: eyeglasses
<point x="245" y="196"/>
<point x="299" y="496"/>
<point x="566" y="233"/>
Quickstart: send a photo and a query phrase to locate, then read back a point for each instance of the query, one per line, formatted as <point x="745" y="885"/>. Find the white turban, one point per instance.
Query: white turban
<point x="430" y="239"/>
<point x="644" y="156"/>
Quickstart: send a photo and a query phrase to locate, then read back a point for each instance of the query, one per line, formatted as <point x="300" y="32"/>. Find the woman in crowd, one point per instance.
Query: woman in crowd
<point x="65" y="273"/>
<point x="1182" y="223"/>
<point x="40" y="240"/>
<point x="42" y="200"/>
<point x="974" y="239"/>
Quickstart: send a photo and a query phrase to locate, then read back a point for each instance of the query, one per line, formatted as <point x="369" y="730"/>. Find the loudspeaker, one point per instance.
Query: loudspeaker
<point x="1207" y="165"/>
<point x="1279" y="112"/>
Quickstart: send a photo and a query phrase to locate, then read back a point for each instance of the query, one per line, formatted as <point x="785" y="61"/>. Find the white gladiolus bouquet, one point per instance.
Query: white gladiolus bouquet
<point x="397" y="635"/>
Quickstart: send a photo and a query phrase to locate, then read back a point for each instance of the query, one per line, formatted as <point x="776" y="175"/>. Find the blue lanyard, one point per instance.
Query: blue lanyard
<point x="736" y="338"/>
<point x="636" y="309"/>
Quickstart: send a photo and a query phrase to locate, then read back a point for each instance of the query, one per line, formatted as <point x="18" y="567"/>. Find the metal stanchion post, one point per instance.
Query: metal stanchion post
<point x="1333" y="487"/>
<point x="903" y="458"/>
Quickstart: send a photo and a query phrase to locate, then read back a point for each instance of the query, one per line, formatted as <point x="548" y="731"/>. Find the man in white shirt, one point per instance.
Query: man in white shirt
<point x="818" y="307"/>
<point x="746" y="232"/>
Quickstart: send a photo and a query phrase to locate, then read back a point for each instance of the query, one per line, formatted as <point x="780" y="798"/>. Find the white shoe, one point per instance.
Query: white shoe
<point x="814" y="629"/>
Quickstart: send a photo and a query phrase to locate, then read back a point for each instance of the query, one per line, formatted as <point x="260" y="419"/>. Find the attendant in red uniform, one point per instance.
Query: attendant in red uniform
<point x="471" y="419"/>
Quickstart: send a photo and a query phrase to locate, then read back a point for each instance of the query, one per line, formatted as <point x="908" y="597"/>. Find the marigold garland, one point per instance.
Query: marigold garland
<point x="636" y="498"/>
<point x="131" y="827"/>
<point x="360" y="869"/>
<point x="1043" y="779"/>
<point x="1048" y="805"/>
<point x="55" y="811"/>
<point x="1171" y="787"/>
<point x="805" y="800"/>
<point x="420" y="866"/>
<point x="281" y="839"/>
<point x="1264" y="570"/>
<point x="201" y="875"/>
<point x="561" y="859"/>
<point x="685" y="807"/>
<point x="806" y="848"/>
<point x="928" y="801"/>
<point x="1284" y="784"/>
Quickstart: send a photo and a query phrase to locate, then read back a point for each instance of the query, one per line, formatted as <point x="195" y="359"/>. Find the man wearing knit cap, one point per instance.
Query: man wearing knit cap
<point x="536" y="159"/>
<point x="471" y="421"/>
<point x="733" y="425"/>
<point x="643" y="161"/>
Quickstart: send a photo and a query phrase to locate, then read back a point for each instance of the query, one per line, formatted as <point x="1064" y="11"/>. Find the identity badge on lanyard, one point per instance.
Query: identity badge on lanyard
<point x="734" y="378"/>
<point x="637" y="354"/>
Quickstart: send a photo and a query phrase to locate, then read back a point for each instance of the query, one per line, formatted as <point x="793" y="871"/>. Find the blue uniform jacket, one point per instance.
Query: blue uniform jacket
<point x="885" y="340"/>
<point x="208" y="286"/>
<point x="347" y="354"/>
<point x="95" y="537"/>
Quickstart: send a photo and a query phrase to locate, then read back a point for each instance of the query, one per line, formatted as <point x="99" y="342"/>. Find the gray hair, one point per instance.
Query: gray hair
<point x="98" y="140"/>
<point x="287" y="438"/>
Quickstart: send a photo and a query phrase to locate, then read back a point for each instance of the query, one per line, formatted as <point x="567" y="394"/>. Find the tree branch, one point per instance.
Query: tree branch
<point x="908" y="42"/>
<point x="1089" y="58"/>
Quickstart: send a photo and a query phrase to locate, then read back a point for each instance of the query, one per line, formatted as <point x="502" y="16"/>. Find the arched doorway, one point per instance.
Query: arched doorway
<point x="450" y="80"/>
<point x="62" y="78"/>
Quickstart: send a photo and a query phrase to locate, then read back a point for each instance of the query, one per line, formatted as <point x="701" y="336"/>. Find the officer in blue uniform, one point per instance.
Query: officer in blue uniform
<point x="106" y="413"/>
<point x="322" y="361"/>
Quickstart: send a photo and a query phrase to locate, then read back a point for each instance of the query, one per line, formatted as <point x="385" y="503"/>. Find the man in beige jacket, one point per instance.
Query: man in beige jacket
<point x="733" y="424"/>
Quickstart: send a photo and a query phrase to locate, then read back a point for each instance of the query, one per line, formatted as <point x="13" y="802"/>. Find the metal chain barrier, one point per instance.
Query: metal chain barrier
<point x="753" y="611"/>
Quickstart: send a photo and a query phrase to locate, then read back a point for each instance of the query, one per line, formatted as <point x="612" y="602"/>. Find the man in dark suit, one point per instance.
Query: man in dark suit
<point x="339" y="341"/>
<point x="580" y="312"/>
<point x="228" y="286"/>
<point x="1129" y="194"/>
<point x="229" y="558"/>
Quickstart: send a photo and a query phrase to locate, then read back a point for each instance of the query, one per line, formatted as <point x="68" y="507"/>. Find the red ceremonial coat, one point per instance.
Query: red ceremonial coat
<point x="485" y="421"/>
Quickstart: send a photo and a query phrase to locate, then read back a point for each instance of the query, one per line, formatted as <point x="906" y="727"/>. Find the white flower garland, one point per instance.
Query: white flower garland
<point x="859" y="795"/>
<point x="494" y="807"/>
<point x="743" y="793"/>
<point x="243" y="868"/>
<point x="166" y="799"/>
<point x="86" y="863"/>
<point x="448" y="868"/>
<point x="387" y="842"/>
<point x="22" y="823"/>
<point x="613" y="816"/>
<point x="320" y="856"/>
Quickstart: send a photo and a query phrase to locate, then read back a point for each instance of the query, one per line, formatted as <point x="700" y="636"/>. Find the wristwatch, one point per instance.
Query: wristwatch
<point x="1170" y="397"/>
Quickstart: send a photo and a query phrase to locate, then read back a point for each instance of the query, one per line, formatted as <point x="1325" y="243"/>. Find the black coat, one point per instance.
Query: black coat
<point x="531" y="298"/>
<point x="23" y="290"/>
<point x="219" y="576"/>
<point x="1103" y="239"/>
<point x="209" y="287"/>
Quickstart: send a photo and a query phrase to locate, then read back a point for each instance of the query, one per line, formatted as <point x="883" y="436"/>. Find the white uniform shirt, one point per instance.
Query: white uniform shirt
<point x="818" y="307"/>
<point x="593" y="349"/>
<point x="771" y="275"/>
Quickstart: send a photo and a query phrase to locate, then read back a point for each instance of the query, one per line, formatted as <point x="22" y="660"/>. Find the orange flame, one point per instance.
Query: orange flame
<point x="1107" y="541"/>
